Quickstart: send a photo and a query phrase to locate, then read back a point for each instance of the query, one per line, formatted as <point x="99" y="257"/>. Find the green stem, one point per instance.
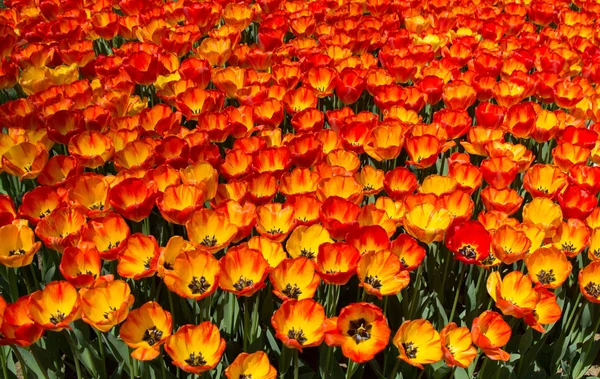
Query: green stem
<point x="3" y="363"/>
<point x="162" y="366"/>
<point x="395" y="369"/>
<point x="246" y="323"/>
<point x="574" y="310"/>
<point x="74" y="351"/>
<point x="296" y="364"/>
<point x="385" y="305"/>
<point x="35" y="278"/>
<point x="482" y="368"/>
<point x="413" y="301"/>
<point x="457" y="294"/>
<point x="101" y="349"/>
<point x="21" y="361"/>
<point x="12" y="281"/>
<point x="351" y="368"/>
<point x="146" y="226"/>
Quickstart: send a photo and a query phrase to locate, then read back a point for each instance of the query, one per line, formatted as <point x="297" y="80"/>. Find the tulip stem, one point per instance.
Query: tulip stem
<point x="296" y="364"/>
<point x="573" y="311"/>
<point x="21" y="361"/>
<point x="3" y="363"/>
<point x="35" y="279"/>
<point x="246" y="323"/>
<point x="101" y="349"/>
<point x="482" y="367"/>
<point x="74" y="351"/>
<point x="458" y="288"/>
<point x="395" y="369"/>
<point x="412" y="304"/>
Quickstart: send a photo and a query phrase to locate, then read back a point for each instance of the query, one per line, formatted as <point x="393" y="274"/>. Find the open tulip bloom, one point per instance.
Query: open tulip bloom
<point x="299" y="189"/>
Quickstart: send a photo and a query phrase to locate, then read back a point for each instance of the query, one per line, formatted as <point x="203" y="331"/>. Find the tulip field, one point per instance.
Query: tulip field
<point x="336" y="189"/>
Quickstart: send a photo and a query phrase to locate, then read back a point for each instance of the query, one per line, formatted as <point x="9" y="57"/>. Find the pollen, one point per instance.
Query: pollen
<point x="195" y="360"/>
<point x="410" y="349"/>
<point x="293" y="292"/>
<point x="546" y="277"/>
<point x="198" y="286"/>
<point x="468" y="252"/>
<point x="373" y="281"/>
<point x="57" y="317"/>
<point x="243" y="283"/>
<point x="297" y="335"/>
<point x="152" y="335"/>
<point x="593" y="289"/>
<point x="360" y="330"/>
<point x="16" y="252"/>
<point x="209" y="241"/>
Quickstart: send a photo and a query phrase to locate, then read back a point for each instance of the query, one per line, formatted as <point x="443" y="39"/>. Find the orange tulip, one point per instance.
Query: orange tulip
<point x="457" y="345"/>
<point x="139" y="257"/>
<point x="548" y="267"/>
<point x="427" y="223"/>
<point x="382" y="274"/>
<point x="16" y="326"/>
<point x="55" y="307"/>
<point x="490" y="332"/>
<point x="243" y="271"/>
<point x="106" y="304"/>
<point x="256" y="365"/>
<point x="210" y="230"/>
<point x="61" y="229"/>
<point x="299" y="323"/>
<point x="361" y="330"/>
<point x="105" y="235"/>
<point x="418" y="343"/>
<point x="80" y="267"/>
<point x="19" y="247"/>
<point x="91" y="149"/>
<point x="513" y="294"/>
<point x="589" y="279"/>
<point x="295" y="279"/>
<point x="25" y="160"/>
<point x="194" y="275"/>
<point x="132" y="198"/>
<point x="509" y="244"/>
<point x="145" y="330"/>
<point x="196" y="349"/>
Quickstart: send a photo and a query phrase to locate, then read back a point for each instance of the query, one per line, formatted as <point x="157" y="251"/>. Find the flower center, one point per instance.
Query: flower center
<point x="360" y="330"/>
<point x="245" y="376"/>
<point x="450" y="348"/>
<point x="568" y="247"/>
<point x="297" y="335"/>
<point x="593" y="289"/>
<point x="152" y="335"/>
<point x="112" y="245"/>
<point x="275" y="231"/>
<point x="243" y="283"/>
<point x="307" y="253"/>
<point x="546" y="277"/>
<point x="112" y="309"/>
<point x="45" y="213"/>
<point x="293" y="292"/>
<point x="468" y="252"/>
<point x="410" y="349"/>
<point x="209" y="241"/>
<point x="490" y="259"/>
<point x="198" y="286"/>
<point x="196" y="360"/>
<point x="97" y="207"/>
<point x="543" y="190"/>
<point x="16" y="252"/>
<point x="57" y="317"/>
<point x="373" y="281"/>
<point x="147" y="263"/>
